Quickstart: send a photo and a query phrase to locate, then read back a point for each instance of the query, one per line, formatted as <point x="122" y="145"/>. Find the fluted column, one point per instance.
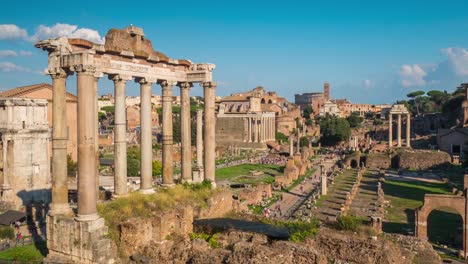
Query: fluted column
<point x="185" y="130"/>
<point x="209" y="136"/>
<point x="390" y="134"/>
<point x="298" y="147"/>
<point x="146" y="143"/>
<point x="87" y="210"/>
<point x="256" y="129"/>
<point x="167" y="140"/>
<point x="59" y="203"/>
<point x="399" y="130"/>
<point x="199" y="139"/>
<point x="120" y="136"/>
<point x="408" y="130"/>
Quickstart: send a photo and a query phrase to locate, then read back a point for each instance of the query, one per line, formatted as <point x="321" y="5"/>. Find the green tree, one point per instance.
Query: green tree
<point x="108" y="109"/>
<point x="133" y="167"/>
<point x="280" y="137"/>
<point x="416" y="96"/>
<point x="307" y="111"/>
<point x="354" y="119"/>
<point x="157" y="168"/>
<point x="304" y="142"/>
<point x="334" y="130"/>
<point x="71" y="166"/>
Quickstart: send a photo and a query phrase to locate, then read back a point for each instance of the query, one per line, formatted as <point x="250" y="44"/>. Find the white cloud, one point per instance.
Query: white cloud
<point x="11" y="67"/>
<point x="458" y="58"/>
<point x="25" y="53"/>
<point x="8" y="53"/>
<point x="412" y="75"/>
<point x="66" y="30"/>
<point x="10" y="31"/>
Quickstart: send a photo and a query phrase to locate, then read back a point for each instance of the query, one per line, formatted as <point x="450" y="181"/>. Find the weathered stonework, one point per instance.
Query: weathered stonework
<point x="24" y="153"/>
<point x="80" y="242"/>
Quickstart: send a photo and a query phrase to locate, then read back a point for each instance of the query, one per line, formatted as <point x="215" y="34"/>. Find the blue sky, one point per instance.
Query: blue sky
<point x="369" y="51"/>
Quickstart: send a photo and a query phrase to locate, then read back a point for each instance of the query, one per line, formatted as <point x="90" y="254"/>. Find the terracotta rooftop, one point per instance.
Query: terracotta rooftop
<point x="22" y="90"/>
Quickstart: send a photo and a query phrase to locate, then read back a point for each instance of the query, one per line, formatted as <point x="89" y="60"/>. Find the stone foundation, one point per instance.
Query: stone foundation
<point x="379" y="160"/>
<point x="79" y="242"/>
<point x="423" y="159"/>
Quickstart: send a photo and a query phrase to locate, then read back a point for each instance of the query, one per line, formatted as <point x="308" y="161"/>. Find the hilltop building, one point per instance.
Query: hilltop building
<point x="315" y="100"/>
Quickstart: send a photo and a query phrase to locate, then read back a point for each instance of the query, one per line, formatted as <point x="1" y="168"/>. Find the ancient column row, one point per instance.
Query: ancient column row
<point x="88" y="138"/>
<point x="260" y="129"/>
<point x="390" y="132"/>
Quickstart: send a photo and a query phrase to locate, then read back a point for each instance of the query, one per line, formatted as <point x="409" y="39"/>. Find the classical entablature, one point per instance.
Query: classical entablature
<point x="126" y="53"/>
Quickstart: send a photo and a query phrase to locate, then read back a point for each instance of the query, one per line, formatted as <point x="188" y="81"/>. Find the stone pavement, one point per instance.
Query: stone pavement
<point x="365" y="202"/>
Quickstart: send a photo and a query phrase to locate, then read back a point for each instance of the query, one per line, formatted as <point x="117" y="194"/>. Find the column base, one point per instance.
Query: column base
<point x="147" y="191"/>
<point x="213" y="185"/>
<point x="87" y="218"/>
<point x="187" y="181"/>
<point x="198" y="175"/>
<point x="167" y="185"/>
<point x="60" y="209"/>
<point x="117" y="196"/>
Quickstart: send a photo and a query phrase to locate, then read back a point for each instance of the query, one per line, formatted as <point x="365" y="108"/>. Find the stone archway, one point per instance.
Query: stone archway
<point x="435" y="201"/>
<point x="445" y="227"/>
<point x="354" y="163"/>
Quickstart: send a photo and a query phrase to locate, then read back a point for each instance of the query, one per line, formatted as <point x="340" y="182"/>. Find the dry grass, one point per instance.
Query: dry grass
<point x="145" y="206"/>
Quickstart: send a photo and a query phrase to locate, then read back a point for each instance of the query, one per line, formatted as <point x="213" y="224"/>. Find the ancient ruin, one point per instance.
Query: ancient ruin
<point x="126" y="55"/>
<point x="399" y="110"/>
<point x="24" y="163"/>
<point x="434" y="201"/>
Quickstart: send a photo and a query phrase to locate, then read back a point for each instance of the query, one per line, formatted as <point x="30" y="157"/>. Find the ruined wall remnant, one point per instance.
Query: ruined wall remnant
<point x="379" y="160"/>
<point x="422" y="159"/>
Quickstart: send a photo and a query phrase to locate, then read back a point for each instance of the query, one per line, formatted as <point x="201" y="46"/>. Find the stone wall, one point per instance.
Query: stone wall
<point x="379" y="160"/>
<point x="82" y="242"/>
<point x="421" y="159"/>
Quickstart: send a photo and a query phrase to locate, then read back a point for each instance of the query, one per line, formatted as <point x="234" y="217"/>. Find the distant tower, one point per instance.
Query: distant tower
<point x="326" y="91"/>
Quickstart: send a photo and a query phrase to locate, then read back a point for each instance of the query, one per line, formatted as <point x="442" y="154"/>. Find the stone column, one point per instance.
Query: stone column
<point x="399" y="130"/>
<point x="291" y="147"/>
<point x="59" y="203"/>
<point x="96" y="130"/>
<point x="120" y="136"/>
<point x="87" y="210"/>
<point x="186" y="132"/>
<point x="146" y="136"/>
<point x="209" y="136"/>
<point x="298" y="146"/>
<point x="200" y="139"/>
<point x="408" y="130"/>
<point x="167" y="140"/>
<point x="323" y="179"/>
<point x="390" y="135"/>
<point x="250" y="128"/>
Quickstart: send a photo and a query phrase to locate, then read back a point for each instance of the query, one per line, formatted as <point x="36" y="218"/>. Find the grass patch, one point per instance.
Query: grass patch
<point x="233" y="173"/>
<point x="349" y="222"/>
<point x="211" y="239"/>
<point x="33" y="252"/>
<point x="145" y="206"/>
<point x="298" y="230"/>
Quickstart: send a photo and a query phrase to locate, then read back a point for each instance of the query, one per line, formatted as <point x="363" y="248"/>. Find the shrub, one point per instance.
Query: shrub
<point x="298" y="230"/>
<point x="71" y="166"/>
<point x="7" y="232"/>
<point x="280" y="137"/>
<point x="211" y="239"/>
<point x="348" y="222"/>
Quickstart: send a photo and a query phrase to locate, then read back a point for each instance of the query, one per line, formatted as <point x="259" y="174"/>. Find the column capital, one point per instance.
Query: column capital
<point x="167" y="83"/>
<point x="209" y="85"/>
<point x="116" y="78"/>
<point x="185" y="85"/>
<point x="84" y="69"/>
<point x="144" y="80"/>
<point x="59" y="73"/>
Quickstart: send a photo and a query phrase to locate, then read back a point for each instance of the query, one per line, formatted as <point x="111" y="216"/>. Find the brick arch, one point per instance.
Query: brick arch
<point x="435" y="201"/>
